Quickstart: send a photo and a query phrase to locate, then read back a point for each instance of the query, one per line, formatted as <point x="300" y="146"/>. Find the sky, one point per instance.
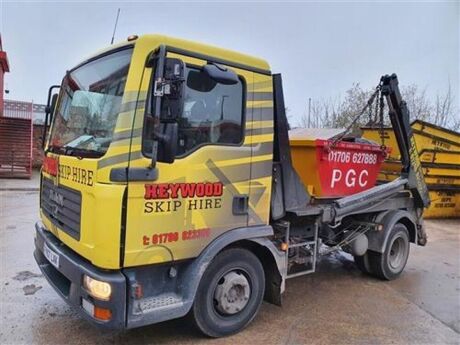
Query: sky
<point x="320" y="48"/>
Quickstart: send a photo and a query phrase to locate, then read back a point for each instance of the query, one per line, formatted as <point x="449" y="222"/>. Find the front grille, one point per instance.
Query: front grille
<point x="62" y="205"/>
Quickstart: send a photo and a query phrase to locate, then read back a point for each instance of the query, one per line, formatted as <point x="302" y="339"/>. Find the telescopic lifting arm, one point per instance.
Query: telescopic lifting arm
<point x="400" y="121"/>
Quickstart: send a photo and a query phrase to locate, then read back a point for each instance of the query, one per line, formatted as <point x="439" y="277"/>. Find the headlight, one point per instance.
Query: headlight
<point x="96" y="288"/>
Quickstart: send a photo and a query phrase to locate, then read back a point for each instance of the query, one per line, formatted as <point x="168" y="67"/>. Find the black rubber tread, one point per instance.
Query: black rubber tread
<point x="203" y="312"/>
<point x="362" y="262"/>
<point x="379" y="265"/>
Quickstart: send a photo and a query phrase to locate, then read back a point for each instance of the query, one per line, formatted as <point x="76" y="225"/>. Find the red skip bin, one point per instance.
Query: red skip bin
<point x="337" y="170"/>
<point x="347" y="168"/>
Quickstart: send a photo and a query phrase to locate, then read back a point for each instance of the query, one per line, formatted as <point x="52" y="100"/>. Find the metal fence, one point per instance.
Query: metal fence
<point x="18" y="109"/>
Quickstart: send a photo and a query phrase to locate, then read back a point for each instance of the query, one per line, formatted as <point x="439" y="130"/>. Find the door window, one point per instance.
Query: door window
<point x="213" y="113"/>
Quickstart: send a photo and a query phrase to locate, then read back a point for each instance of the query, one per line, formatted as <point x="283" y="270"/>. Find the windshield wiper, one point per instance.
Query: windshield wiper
<point x="79" y="152"/>
<point x="56" y="149"/>
<point x="74" y="151"/>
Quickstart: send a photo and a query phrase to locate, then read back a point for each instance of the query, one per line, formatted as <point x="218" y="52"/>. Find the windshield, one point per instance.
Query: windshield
<point x="88" y="106"/>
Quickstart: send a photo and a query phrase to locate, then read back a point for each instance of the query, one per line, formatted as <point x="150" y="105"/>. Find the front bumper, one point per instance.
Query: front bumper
<point x="67" y="279"/>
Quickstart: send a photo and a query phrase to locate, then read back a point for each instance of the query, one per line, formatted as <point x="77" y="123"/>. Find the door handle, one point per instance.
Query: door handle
<point x="240" y="204"/>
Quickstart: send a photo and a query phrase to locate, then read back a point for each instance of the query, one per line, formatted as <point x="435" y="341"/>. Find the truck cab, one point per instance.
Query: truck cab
<point x="101" y="198"/>
<point x="167" y="189"/>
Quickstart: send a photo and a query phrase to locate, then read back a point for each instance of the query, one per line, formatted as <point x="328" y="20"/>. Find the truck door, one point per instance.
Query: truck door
<point x="205" y="191"/>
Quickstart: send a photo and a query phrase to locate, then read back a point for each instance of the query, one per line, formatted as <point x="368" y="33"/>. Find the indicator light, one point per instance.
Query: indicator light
<point x="95" y="311"/>
<point x="102" y="313"/>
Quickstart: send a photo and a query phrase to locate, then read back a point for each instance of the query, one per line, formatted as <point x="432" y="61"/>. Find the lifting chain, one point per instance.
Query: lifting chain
<point x="370" y="122"/>
<point x="366" y="106"/>
<point x="376" y="111"/>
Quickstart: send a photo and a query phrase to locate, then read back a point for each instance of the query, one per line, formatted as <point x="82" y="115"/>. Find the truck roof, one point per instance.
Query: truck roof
<point x="206" y="49"/>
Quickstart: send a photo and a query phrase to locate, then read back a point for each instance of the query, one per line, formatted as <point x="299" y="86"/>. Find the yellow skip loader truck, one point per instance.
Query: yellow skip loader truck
<point x="168" y="189"/>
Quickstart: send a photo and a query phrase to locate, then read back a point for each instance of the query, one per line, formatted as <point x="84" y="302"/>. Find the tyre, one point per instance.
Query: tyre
<point x="229" y="294"/>
<point x="362" y="262"/>
<point x="390" y="264"/>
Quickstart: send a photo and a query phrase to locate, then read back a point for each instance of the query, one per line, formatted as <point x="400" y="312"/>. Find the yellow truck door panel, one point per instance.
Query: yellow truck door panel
<point x="205" y="191"/>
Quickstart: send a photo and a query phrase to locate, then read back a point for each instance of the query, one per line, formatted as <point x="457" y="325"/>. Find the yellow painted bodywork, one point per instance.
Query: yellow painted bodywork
<point x="233" y="162"/>
<point x="303" y="151"/>
<point x="444" y="204"/>
<point x="246" y="168"/>
<point x="439" y="153"/>
<point x="100" y="215"/>
<point x="436" y="131"/>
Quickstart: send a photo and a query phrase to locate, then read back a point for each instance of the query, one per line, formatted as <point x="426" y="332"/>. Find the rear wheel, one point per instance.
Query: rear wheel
<point x="362" y="262"/>
<point x="230" y="293"/>
<point x="390" y="264"/>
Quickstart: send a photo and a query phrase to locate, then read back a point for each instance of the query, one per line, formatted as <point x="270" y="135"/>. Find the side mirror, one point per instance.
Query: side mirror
<point x="221" y="74"/>
<point x="167" y="142"/>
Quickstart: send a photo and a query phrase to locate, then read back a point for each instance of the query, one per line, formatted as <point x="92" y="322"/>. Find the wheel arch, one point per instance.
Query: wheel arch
<point x="378" y="240"/>
<point x="411" y="227"/>
<point x="254" y="239"/>
<point x="273" y="262"/>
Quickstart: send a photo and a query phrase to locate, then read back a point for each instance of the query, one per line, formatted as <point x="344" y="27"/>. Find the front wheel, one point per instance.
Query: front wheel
<point x="230" y="293"/>
<point x="390" y="264"/>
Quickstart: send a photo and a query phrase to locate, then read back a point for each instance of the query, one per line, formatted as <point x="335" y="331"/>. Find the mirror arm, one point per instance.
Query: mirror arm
<point x="48" y="113"/>
<point x="156" y="102"/>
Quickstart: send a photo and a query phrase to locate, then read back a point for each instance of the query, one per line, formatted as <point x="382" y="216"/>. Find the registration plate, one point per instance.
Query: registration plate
<point x="52" y="257"/>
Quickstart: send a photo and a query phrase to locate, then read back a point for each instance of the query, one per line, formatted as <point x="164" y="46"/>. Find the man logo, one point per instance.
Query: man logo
<point x="55" y="210"/>
<point x="56" y="197"/>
